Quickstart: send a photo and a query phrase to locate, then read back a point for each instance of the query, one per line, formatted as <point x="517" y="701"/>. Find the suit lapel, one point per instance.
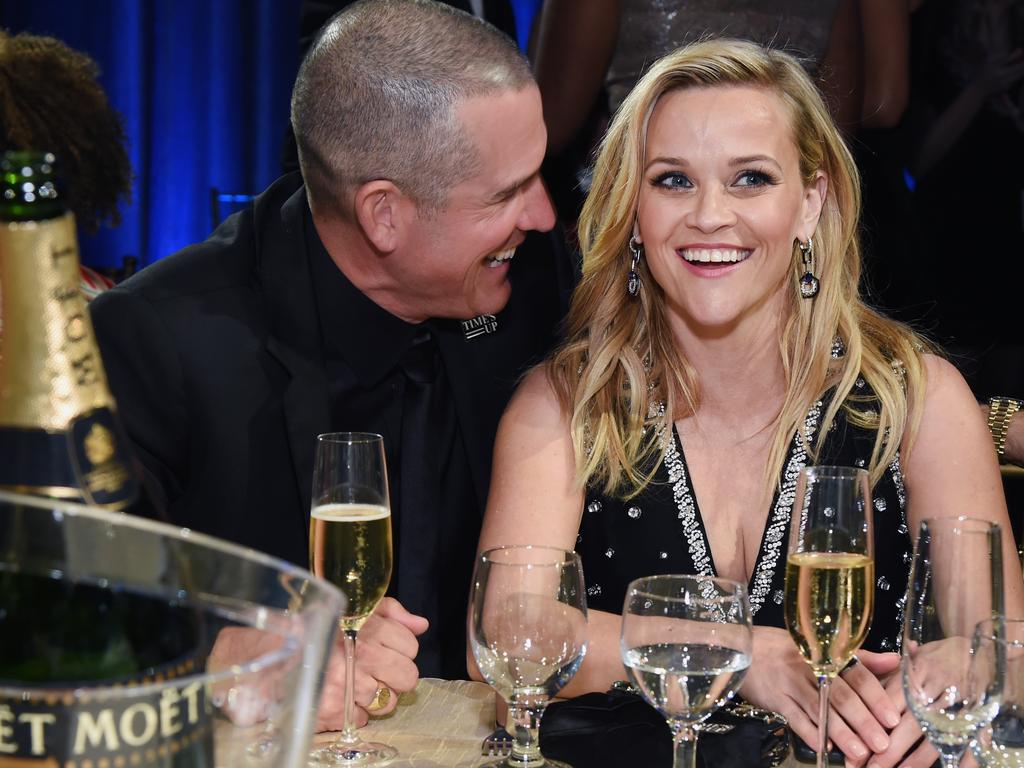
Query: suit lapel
<point x="294" y="339"/>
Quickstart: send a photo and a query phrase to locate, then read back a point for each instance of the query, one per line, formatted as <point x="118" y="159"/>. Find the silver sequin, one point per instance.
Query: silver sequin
<point x="663" y="555"/>
<point x="883" y="584"/>
<point x="594" y="506"/>
<point x="609" y="552"/>
<point x="634" y="512"/>
<point x="778" y="597"/>
<point x="860" y="463"/>
<point x="880" y="504"/>
<point x="593" y="590"/>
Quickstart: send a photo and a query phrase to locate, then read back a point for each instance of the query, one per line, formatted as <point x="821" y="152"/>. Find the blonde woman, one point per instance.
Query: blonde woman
<point x="716" y="344"/>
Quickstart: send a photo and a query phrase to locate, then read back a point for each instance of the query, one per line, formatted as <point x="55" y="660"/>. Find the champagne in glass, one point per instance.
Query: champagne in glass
<point x="350" y="546"/>
<point x="687" y="643"/>
<point x="528" y="630"/>
<point x="955" y="583"/>
<point x="829" y="575"/>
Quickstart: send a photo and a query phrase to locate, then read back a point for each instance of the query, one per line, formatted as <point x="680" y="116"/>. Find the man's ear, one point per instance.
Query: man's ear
<point x="382" y="210"/>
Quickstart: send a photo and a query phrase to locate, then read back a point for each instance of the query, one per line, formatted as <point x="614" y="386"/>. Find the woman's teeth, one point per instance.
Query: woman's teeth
<point x="704" y="255"/>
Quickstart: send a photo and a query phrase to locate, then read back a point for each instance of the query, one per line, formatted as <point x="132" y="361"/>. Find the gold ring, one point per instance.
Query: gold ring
<point x="380" y="699"/>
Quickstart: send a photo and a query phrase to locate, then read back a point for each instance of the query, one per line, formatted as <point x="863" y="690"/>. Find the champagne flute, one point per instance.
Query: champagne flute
<point x="528" y="629"/>
<point x="350" y="546"/>
<point x="830" y="574"/>
<point x="687" y="643"/>
<point x="955" y="583"/>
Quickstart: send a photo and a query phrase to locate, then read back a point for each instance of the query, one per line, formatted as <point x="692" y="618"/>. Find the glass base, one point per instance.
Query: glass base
<point x="356" y="754"/>
<point x="510" y="762"/>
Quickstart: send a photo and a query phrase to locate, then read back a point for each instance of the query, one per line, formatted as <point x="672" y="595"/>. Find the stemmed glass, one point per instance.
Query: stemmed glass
<point x="830" y="574"/>
<point x="998" y="652"/>
<point x="956" y="581"/>
<point x="350" y="546"/>
<point x="528" y="629"/>
<point x="687" y="643"/>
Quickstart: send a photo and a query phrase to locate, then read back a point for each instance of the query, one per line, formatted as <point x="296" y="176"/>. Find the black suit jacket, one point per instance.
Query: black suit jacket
<point x="214" y="357"/>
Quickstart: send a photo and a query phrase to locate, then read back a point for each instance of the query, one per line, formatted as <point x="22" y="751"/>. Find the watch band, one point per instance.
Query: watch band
<point x="1000" y="411"/>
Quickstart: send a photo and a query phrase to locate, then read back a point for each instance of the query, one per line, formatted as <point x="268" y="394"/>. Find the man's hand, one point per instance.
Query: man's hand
<point x="385" y="651"/>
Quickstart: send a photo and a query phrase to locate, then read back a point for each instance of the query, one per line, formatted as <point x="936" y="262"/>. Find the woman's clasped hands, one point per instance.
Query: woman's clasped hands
<point x="869" y="720"/>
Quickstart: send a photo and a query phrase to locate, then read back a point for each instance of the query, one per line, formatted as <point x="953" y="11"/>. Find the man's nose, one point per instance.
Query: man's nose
<point x="538" y="213"/>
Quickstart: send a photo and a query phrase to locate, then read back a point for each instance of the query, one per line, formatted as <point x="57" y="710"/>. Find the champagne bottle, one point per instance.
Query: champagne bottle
<point x="59" y="433"/>
<point x="61" y="630"/>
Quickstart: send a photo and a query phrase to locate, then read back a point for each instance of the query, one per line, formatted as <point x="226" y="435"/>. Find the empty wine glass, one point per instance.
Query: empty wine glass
<point x="830" y="573"/>
<point x="528" y="629"/>
<point x="687" y="643"/>
<point x="955" y="583"/>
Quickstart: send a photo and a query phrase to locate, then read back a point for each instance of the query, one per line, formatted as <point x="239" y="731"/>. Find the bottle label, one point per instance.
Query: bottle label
<point x="100" y="728"/>
<point x="88" y="461"/>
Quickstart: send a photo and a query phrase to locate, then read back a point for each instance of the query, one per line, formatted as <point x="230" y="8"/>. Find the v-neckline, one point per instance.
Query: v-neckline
<point x="772" y="543"/>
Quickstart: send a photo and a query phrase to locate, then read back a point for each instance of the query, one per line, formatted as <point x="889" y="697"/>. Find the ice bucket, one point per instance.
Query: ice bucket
<point x="125" y="642"/>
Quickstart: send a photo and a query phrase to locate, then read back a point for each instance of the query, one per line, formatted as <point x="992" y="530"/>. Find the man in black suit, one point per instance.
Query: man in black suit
<point x="372" y="293"/>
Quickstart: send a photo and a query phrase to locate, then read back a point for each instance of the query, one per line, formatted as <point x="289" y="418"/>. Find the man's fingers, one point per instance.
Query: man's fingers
<point x="387" y="666"/>
<point x="392" y="609"/>
<point x="386" y="631"/>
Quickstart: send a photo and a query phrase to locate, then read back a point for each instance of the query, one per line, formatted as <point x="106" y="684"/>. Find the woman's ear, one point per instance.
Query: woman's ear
<point x="814" y="200"/>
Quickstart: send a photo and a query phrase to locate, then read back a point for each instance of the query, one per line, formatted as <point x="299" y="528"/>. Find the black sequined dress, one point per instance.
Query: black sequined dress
<point x="661" y="530"/>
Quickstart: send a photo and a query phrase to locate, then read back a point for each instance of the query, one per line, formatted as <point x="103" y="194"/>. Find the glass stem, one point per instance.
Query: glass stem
<point x="525" y="714"/>
<point x="348" y="731"/>
<point x="824" y="682"/>
<point x="950" y="756"/>
<point x="684" y="739"/>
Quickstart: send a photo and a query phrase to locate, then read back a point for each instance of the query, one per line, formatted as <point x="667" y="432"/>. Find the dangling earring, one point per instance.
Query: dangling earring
<point x="633" y="279"/>
<point x="808" y="282"/>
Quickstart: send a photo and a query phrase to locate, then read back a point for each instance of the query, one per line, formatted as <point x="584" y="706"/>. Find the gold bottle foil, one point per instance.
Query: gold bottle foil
<point x="58" y="432"/>
<point x="51" y="371"/>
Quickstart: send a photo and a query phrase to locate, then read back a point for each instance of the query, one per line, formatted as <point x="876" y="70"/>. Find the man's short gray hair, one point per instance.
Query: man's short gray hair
<point x="376" y="98"/>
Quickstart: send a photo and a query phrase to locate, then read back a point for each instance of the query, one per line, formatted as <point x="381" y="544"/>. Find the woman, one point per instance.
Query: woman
<point x="665" y="434"/>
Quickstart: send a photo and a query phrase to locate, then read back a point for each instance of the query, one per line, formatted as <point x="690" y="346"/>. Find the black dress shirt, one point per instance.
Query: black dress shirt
<point x="434" y="537"/>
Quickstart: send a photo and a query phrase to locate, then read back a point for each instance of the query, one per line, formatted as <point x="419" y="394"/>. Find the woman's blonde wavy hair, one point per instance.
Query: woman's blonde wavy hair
<point x="620" y="359"/>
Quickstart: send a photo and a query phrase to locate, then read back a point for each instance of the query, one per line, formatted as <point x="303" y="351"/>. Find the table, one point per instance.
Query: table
<point x="441" y="725"/>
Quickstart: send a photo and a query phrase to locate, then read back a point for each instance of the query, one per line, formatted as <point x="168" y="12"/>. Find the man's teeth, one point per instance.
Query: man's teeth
<point x="715" y="254"/>
<point x="497" y="259"/>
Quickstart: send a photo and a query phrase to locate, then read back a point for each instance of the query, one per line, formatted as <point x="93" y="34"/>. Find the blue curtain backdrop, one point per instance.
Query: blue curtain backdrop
<point x="204" y="87"/>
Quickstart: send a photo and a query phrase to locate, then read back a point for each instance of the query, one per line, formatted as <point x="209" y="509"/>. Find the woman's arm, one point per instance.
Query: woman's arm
<point x="949" y="470"/>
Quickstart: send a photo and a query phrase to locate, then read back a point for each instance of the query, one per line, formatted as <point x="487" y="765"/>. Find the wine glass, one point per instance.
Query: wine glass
<point x="350" y="546"/>
<point x="830" y="574"/>
<point x="687" y="643"/>
<point x="955" y="583"/>
<point x="528" y="629"/>
<point x="998" y="653"/>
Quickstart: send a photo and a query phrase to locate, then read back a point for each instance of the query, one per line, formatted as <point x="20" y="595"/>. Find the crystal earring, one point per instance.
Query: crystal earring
<point x="808" y="282"/>
<point x="633" y="279"/>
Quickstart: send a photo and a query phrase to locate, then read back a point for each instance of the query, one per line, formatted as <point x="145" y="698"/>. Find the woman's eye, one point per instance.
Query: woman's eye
<point x="754" y="179"/>
<point x="673" y="180"/>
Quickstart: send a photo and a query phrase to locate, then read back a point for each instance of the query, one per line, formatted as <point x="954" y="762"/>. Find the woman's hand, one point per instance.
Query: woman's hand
<point x="385" y="656"/>
<point x="907" y="747"/>
<point x="861" y="711"/>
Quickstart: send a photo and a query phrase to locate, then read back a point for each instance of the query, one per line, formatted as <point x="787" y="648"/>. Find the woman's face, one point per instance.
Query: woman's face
<point x="721" y="205"/>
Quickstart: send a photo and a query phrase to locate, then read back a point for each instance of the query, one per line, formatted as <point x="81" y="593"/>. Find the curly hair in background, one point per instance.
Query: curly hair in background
<point x="50" y="99"/>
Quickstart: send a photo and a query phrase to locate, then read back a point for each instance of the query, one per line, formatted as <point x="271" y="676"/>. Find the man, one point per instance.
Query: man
<point x="374" y="293"/>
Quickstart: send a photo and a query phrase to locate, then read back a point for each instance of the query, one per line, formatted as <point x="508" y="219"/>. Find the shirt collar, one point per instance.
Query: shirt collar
<point x="365" y="335"/>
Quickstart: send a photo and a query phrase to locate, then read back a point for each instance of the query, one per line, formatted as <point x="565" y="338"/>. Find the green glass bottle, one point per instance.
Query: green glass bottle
<point x="59" y="434"/>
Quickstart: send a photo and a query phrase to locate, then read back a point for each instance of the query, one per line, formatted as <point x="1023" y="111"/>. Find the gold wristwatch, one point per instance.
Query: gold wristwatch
<point x="1000" y="411"/>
